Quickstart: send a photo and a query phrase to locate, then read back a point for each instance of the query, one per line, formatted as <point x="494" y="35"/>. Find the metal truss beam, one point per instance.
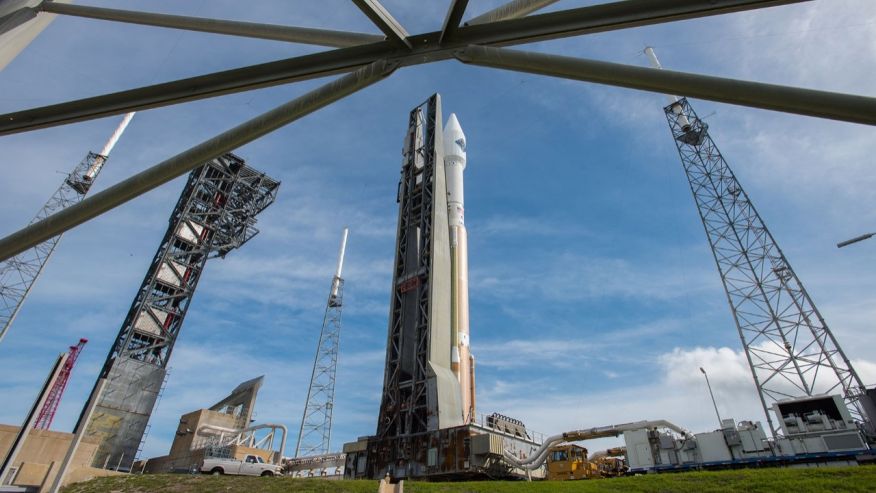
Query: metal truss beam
<point x="452" y="20"/>
<point x="16" y="18"/>
<point x="836" y="106"/>
<point x="381" y="17"/>
<point x="194" y="88"/>
<point x="188" y="160"/>
<point x="597" y="18"/>
<point x="511" y="10"/>
<point x="322" y="37"/>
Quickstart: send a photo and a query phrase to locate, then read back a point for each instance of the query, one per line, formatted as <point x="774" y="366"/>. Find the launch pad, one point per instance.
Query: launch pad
<point x="472" y="451"/>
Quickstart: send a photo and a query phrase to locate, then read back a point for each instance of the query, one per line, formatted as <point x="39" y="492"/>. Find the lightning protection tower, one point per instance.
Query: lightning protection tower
<point x="19" y="273"/>
<point x="789" y="346"/>
<point x="47" y="412"/>
<point x="314" y="436"/>
<point x="214" y="215"/>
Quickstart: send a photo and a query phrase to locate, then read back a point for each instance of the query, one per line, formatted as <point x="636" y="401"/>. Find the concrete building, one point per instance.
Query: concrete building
<point x="223" y="430"/>
<point x="38" y="461"/>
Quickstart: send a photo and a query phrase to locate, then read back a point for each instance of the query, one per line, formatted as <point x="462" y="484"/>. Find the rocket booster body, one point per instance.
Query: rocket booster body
<point x="461" y="360"/>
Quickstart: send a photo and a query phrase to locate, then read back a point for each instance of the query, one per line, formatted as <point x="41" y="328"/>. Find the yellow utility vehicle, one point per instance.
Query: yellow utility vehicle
<point x="569" y="461"/>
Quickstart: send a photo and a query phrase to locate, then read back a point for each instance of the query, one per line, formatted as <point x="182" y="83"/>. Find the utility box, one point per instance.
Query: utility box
<point x="713" y="448"/>
<point x="639" y="452"/>
<point x="487" y="443"/>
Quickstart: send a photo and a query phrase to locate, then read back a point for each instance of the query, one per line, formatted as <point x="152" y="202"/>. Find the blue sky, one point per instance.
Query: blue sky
<point x="594" y="296"/>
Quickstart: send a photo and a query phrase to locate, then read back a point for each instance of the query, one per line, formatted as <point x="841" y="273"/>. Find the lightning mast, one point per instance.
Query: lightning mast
<point x="47" y="412"/>
<point x="790" y="348"/>
<point x="315" y="434"/>
<point x="19" y="273"/>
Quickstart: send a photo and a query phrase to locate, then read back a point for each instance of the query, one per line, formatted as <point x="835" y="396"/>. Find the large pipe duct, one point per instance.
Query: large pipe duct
<point x="221" y="430"/>
<point x="538" y="457"/>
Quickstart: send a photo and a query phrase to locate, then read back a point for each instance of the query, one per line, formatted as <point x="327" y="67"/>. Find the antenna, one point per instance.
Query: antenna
<point x="18" y="274"/>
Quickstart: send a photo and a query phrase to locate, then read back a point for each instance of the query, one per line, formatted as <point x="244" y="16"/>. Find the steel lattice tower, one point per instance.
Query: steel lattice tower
<point x="315" y="434"/>
<point x="404" y="407"/>
<point x="789" y="346"/>
<point x="19" y="273"/>
<point x="214" y="215"/>
<point x="420" y="392"/>
<point x="47" y="413"/>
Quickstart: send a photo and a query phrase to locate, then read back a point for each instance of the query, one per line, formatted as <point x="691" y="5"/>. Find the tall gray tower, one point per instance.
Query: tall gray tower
<point x="315" y="434"/>
<point x="19" y="273"/>
<point x="790" y="348"/>
<point x="214" y="215"/>
<point x="420" y="391"/>
<point x="426" y="427"/>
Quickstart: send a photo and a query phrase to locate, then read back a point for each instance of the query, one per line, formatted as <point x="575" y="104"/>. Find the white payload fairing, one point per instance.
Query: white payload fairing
<point x="461" y="360"/>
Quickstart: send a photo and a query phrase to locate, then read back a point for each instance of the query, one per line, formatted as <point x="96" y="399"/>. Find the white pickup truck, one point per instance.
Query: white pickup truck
<point x="253" y="465"/>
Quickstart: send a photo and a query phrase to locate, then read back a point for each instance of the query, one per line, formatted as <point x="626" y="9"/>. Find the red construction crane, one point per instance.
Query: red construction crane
<point x="47" y="413"/>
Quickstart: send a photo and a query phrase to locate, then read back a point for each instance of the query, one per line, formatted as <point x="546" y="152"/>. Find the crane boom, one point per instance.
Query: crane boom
<point x="47" y="412"/>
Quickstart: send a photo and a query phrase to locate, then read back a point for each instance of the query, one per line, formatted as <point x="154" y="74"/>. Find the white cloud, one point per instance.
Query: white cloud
<point x="674" y="390"/>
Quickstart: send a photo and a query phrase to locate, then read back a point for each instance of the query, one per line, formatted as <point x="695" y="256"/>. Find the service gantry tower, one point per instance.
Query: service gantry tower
<point x="214" y="215"/>
<point x="315" y="434"/>
<point x="790" y="348"/>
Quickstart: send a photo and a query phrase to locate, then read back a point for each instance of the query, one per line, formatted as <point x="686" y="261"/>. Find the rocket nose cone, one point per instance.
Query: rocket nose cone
<point x="454" y="139"/>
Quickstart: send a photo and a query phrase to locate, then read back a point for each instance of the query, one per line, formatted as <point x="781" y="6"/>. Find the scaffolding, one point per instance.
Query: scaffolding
<point x="214" y="215"/>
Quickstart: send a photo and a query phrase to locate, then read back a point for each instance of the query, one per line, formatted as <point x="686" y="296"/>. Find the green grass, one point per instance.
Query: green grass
<point x="818" y="480"/>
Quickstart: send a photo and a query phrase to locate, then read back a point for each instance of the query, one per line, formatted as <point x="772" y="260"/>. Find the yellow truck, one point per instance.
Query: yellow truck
<point x="569" y="461"/>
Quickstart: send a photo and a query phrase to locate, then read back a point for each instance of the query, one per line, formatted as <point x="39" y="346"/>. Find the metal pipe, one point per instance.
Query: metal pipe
<point x="855" y="240"/>
<point x="381" y="18"/>
<point x="835" y="106"/>
<point x="321" y="37"/>
<point x="573" y="22"/>
<point x="538" y="457"/>
<point x="192" y="89"/>
<point x="222" y="430"/>
<point x="511" y="10"/>
<point x="103" y="155"/>
<point x="187" y="160"/>
<point x="341" y="253"/>
<point x="452" y="19"/>
<point x="108" y="147"/>
<point x="336" y="281"/>
<point x="720" y="424"/>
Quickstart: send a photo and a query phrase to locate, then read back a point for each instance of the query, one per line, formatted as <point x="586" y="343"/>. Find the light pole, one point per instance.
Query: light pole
<point x="713" y="397"/>
<point x="855" y="240"/>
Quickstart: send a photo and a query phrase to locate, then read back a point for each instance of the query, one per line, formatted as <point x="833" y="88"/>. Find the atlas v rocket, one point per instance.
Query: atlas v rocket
<point x="461" y="360"/>
<point x="427" y="410"/>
